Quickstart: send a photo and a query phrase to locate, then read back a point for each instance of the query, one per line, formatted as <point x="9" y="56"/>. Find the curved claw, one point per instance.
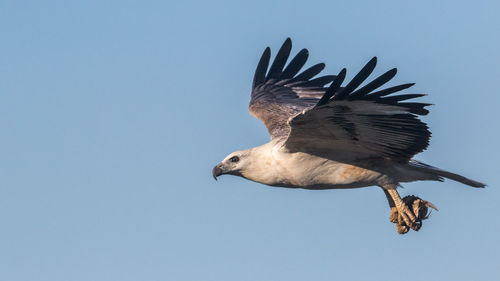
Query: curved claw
<point x="402" y="228"/>
<point x="419" y="206"/>
<point x="429" y="204"/>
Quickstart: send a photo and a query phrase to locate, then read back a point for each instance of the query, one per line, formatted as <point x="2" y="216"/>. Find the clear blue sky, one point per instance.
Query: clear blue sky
<point x="112" y="114"/>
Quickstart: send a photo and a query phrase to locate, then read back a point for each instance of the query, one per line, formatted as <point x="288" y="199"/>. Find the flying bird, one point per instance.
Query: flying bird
<point x="337" y="136"/>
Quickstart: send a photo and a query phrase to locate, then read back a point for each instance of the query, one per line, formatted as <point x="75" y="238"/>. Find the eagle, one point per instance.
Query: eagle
<point x="326" y="135"/>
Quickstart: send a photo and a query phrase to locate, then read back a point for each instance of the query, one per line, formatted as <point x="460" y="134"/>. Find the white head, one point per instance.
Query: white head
<point x="236" y="163"/>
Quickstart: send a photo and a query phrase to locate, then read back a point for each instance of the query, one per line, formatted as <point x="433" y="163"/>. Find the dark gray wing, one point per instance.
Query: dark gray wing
<point x="283" y="92"/>
<point x="351" y="123"/>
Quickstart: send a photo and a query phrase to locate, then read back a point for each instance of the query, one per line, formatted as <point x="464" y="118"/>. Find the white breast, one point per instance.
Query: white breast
<point x="275" y="167"/>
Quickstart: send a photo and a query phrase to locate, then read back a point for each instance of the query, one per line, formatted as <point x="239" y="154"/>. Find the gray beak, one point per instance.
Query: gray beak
<point x="217" y="171"/>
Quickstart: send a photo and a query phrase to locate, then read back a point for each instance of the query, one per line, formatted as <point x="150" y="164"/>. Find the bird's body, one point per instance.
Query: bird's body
<point x="275" y="166"/>
<point x="336" y="137"/>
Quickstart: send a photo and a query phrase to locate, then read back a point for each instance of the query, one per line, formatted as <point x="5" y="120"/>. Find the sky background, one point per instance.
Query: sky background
<point x="113" y="113"/>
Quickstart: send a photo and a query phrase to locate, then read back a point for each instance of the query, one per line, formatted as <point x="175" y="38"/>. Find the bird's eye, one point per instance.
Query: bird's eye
<point x="234" y="159"/>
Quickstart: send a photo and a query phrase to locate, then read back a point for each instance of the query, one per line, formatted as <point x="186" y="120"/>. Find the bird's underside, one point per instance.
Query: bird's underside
<point x="337" y="136"/>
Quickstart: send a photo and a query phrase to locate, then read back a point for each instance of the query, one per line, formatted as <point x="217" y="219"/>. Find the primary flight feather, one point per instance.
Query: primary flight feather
<point x="337" y="136"/>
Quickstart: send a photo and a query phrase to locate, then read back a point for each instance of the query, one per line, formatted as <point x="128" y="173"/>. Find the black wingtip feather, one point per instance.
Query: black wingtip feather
<point x="357" y="80"/>
<point x="416" y="107"/>
<point x="391" y="90"/>
<point x="333" y="88"/>
<point x="376" y="83"/>
<point x="280" y="60"/>
<point x="398" y="98"/>
<point x="310" y="72"/>
<point x="295" y="64"/>
<point x="260" y="72"/>
<point x="319" y="82"/>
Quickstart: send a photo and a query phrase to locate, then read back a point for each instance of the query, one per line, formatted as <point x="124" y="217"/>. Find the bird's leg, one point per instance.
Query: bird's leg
<point x="394" y="211"/>
<point x="401" y="227"/>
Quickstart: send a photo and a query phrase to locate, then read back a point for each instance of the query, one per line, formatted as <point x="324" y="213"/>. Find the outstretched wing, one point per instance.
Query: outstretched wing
<point x="352" y="123"/>
<point x="281" y="92"/>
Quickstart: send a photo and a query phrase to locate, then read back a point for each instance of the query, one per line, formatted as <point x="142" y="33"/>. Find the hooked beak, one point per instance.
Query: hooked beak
<point x="217" y="171"/>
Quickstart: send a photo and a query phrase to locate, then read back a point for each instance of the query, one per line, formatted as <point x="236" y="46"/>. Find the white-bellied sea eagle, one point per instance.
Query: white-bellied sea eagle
<point x="340" y="136"/>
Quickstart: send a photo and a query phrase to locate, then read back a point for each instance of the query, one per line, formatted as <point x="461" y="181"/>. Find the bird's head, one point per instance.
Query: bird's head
<point x="234" y="164"/>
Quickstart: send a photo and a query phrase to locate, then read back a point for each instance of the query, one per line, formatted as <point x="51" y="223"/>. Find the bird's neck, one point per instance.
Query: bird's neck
<point x="265" y="166"/>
